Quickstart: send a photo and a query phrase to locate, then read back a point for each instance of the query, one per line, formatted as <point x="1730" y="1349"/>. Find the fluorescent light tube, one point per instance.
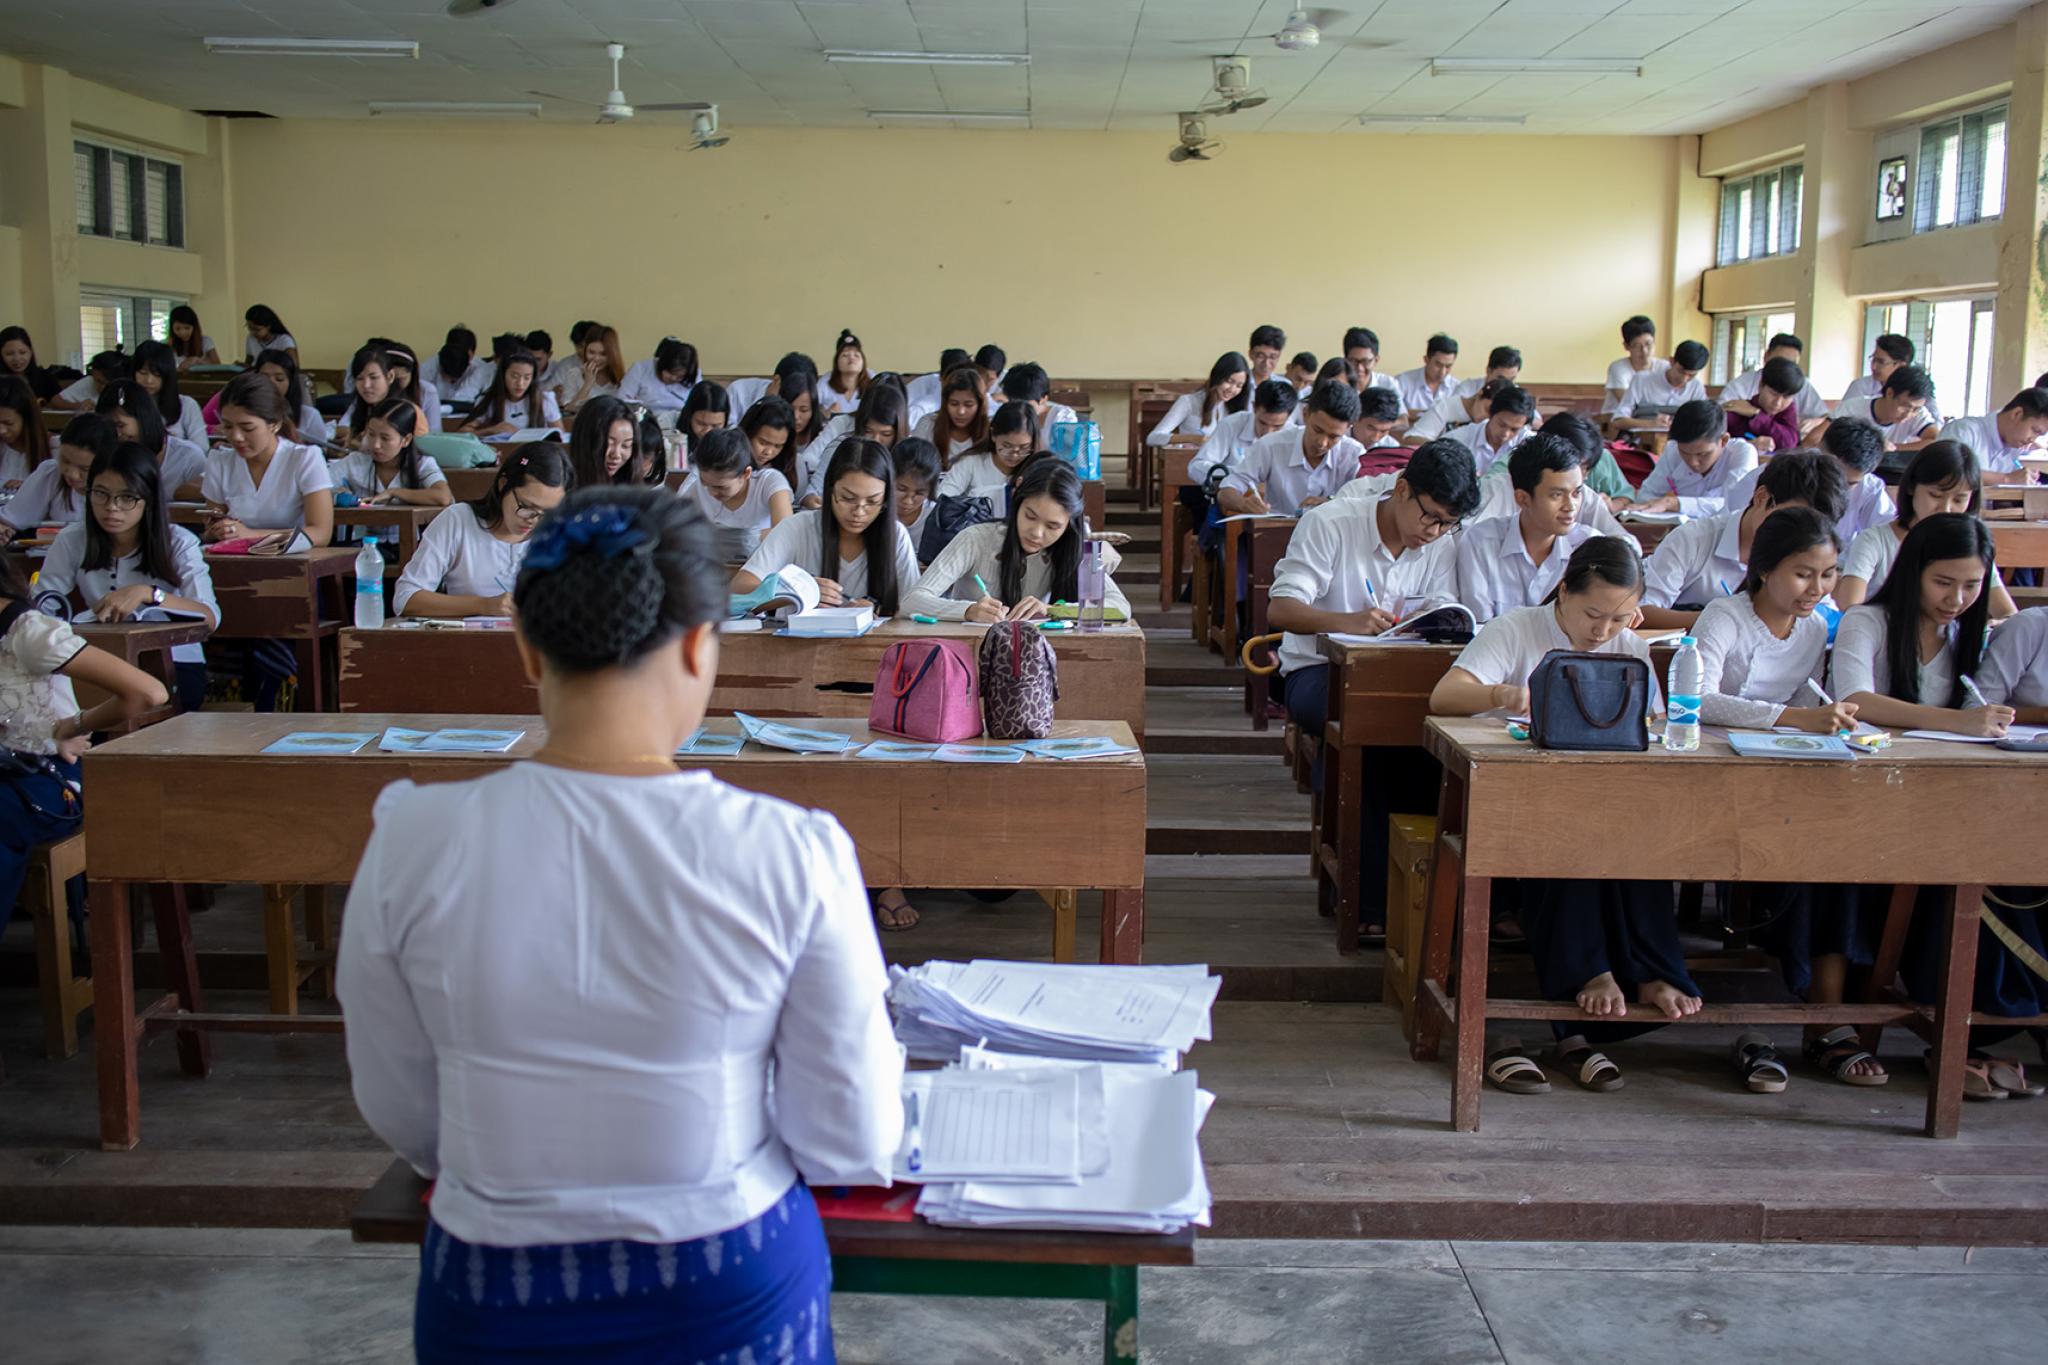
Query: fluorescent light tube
<point x="928" y="58"/>
<point x="455" y="108"/>
<point x="312" y="47"/>
<point x="1516" y="119"/>
<point x="1539" y="66"/>
<point x="946" y="116"/>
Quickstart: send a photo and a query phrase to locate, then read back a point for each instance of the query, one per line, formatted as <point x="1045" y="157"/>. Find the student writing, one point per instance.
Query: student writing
<point x="457" y="373"/>
<point x="514" y="402"/>
<point x="390" y="468"/>
<point x="189" y="341"/>
<point x="468" y="558"/>
<point x="1510" y="417"/>
<point x="102" y="370"/>
<point x="1901" y="410"/>
<point x="1015" y="569"/>
<point x="2015" y="668"/>
<point x="1705" y="558"/>
<point x="871" y="558"/>
<point x="1606" y="488"/>
<point x="267" y="332"/>
<point x="1942" y="477"/>
<point x="663" y="381"/>
<point x="137" y="418"/>
<point x="1509" y="562"/>
<point x="264" y="481"/>
<point x="1467" y="400"/>
<point x="1298" y="467"/>
<point x="1700" y="464"/>
<point x="923" y="391"/>
<point x="54" y="491"/>
<point x="707" y="409"/>
<point x="733" y="495"/>
<point x="985" y="470"/>
<point x="2002" y="439"/>
<point x="1665" y="387"/>
<point x="1858" y="447"/>
<point x="1888" y="353"/>
<point x="1273" y="406"/>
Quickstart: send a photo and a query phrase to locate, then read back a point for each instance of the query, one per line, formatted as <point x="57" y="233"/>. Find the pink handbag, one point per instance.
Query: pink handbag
<point x="925" y="690"/>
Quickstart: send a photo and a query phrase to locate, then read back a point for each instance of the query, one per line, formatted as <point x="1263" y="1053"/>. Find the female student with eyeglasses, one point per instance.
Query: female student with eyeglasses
<point x="469" y="556"/>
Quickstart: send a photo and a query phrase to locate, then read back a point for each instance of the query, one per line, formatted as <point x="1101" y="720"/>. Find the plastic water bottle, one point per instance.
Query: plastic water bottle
<point x="369" y="586"/>
<point x="1682" y="698"/>
<point x="1094" y="578"/>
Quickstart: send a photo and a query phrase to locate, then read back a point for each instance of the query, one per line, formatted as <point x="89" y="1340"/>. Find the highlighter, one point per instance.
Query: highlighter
<point x="983" y="586"/>
<point x="925" y="620"/>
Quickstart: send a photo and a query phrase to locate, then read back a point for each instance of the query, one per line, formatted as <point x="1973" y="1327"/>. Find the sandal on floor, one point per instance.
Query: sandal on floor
<point x="890" y="918"/>
<point x="1513" y="1072"/>
<point x="1977" y="1081"/>
<point x="1507" y="932"/>
<point x="1839" y="1050"/>
<point x="1590" y="1070"/>
<point x="1756" y="1061"/>
<point x="2009" y="1076"/>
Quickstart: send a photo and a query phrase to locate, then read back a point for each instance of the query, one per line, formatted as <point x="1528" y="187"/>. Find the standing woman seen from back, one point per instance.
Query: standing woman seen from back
<point x="580" y="1048"/>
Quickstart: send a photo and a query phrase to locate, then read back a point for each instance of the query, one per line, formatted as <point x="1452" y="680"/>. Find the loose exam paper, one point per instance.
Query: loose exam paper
<point x="1144" y="1011"/>
<point x="1001" y="1126"/>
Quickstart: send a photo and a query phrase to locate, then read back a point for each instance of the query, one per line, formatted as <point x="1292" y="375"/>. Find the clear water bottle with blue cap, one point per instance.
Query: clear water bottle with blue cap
<point x="1682" y="698"/>
<point x="369" y="586"/>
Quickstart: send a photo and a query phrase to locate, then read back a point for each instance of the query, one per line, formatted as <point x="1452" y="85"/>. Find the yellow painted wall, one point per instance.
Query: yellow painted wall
<point x="1085" y="251"/>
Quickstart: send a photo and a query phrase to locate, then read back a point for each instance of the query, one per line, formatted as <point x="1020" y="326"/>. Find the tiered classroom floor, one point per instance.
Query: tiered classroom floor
<point x="1324" y="1129"/>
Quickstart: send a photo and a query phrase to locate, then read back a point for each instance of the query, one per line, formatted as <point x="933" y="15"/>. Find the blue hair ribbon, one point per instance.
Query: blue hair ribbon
<point x="607" y="532"/>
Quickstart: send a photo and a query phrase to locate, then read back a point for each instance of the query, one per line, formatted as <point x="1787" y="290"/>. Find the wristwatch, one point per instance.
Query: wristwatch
<point x="156" y="597"/>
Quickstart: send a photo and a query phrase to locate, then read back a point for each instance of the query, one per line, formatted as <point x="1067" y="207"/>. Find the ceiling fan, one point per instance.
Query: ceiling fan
<point x="1195" y="142"/>
<point x="616" y="110"/>
<point x="1303" y="32"/>
<point x="1232" y="92"/>
<point x="459" y="8"/>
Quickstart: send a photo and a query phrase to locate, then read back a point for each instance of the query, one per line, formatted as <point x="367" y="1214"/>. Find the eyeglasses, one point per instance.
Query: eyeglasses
<point x="1013" y="450"/>
<point x="525" y="510"/>
<point x="851" y="504"/>
<point x="1433" y="523"/>
<point x="120" y="502"/>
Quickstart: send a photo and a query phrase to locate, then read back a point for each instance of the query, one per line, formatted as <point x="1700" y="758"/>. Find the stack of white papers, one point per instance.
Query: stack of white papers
<point x="1086" y="1012"/>
<point x="832" y="621"/>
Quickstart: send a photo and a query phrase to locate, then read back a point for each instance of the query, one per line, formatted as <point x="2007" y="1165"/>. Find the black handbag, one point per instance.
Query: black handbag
<point x="1590" y="702"/>
<point x="950" y="516"/>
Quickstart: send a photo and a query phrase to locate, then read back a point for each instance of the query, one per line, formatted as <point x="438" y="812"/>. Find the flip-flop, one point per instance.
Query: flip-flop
<point x="2011" y="1077"/>
<point x="1756" y="1061"/>
<point x="893" y="924"/>
<point x="1591" y="1070"/>
<point x="1976" y="1077"/>
<point x="1513" y="1072"/>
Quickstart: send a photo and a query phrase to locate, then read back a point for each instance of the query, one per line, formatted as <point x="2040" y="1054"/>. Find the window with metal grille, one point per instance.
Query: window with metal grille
<point x="1760" y="215"/>
<point x="110" y="320"/>
<point x="1739" y="342"/>
<point x="1951" y="340"/>
<point x="128" y="196"/>
<point x="1961" y="177"/>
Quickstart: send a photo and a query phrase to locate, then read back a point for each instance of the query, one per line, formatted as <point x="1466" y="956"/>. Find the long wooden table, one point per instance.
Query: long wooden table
<point x="195" y="800"/>
<point x="1715" y="816"/>
<point x="279" y="597"/>
<point x="907" y="1258"/>
<point x="1101" y="673"/>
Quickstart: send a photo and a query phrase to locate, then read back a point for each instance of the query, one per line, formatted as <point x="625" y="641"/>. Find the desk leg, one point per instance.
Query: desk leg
<point x="181" y="973"/>
<point x="1467" y="1063"/>
<point x="1952" y="1012"/>
<point x="281" y="949"/>
<point x="1446" y="875"/>
<point x="1123" y="925"/>
<point x="1064" y="904"/>
<point x="1227" y="589"/>
<point x="320" y="932"/>
<point x="1169" y="551"/>
<point x="113" y="1015"/>
<point x="1345" y="817"/>
<point x="1120" y="1316"/>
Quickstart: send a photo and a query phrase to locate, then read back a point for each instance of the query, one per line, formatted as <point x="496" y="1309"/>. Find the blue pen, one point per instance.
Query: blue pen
<point x="916" y="1159"/>
<point x="1370" y="596"/>
<point x="1724" y="587"/>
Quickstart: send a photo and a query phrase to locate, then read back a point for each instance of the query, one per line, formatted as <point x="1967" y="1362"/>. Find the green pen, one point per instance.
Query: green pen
<point x="983" y="586"/>
<point x="925" y="620"/>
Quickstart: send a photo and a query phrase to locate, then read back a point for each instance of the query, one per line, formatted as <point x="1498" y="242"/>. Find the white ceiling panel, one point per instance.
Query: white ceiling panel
<point x="1094" y="63"/>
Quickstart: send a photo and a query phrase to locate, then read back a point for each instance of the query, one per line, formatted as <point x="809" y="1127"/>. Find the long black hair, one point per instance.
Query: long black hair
<point x="1937" y="465"/>
<point x="125" y="395"/>
<point x="40" y="381"/>
<point x="708" y="396"/>
<point x="1608" y="560"/>
<point x="451" y="362"/>
<point x="885" y="401"/>
<point x="797" y="385"/>
<point x="1784" y="533"/>
<point x="1227" y="364"/>
<point x="496" y="404"/>
<point x="1946" y="536"/>
<point x="1057" y="480"/>
<point x="592" y="432"/>
<point x="137" y="468"/>
<point x="773" y="414"/>
<point x="542" y="462"/>
<point x="671" y="354"/>
<point x="294" y="386"/>
<point x="160" y="358"/>
<point x="1011" y="418"/>
<point x="857" y="455"/>
<point x="20" y="399"/>
<point x="195" y="349"/>
<point x="403" y="416"/>
<point x="264" y="316"/>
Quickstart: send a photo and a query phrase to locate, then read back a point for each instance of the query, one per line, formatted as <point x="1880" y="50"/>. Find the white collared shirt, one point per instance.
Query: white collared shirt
<point x="582" y="1046"/>
<point x="84" y="389"/>
<point x="1749" y="675"/>
<point x="1868" y="503"/>
<point x="831" y="400"/>
<point x="974" y="475"/>
<point x="1276" y="462"/>
<point x="1379" y="379"/>
<point x="1905" y="431"/>
<point x="1859" y="664"/>
<point x="2014" y="670"/>
<point x="521" y="414"/>
<point x="753" y="513"/>
<point x="799" y="539"/>
<point x="1185" y="418"/>
<point x="183" y="463"/>
<point x="947" y="587"/>
<point x="1508" y="648"/>
<point x="1227" y="445"/>
<point x="1866" y="388"/>
<point x="1702" y="495"/>
<point x="1696" y="562"/>
<point x="1337" y="551"/>
<point x="1871" y="555"/>
<point x="459" y="557"/>
<point x="744" y="393"/>
<point x="1447" y="412"/>
<point x="1743" y="388"/>
<point x="1622" y="373"/>
<point x="283" y="341"/>
<point x="956" y="446"/>
<point x="61" y="573"/>
<point x="358" y="474"/>
<point x="923" y="394"/>
<point x="43" y="498"/>
<point x="1416" y="394"/>
<point x="280" y="504"/>
<point x="644" y="384"/>
<point x="313" y="428"/>
<point x="1495" y="573"/>
<point x="466" y="387"/>
<point x="1980" y="434"/>
<point x="1653" y="389"/>
<point x="1472" y="436"/>
<point x="1497" y="500"/>
<point x="191" y="423"/>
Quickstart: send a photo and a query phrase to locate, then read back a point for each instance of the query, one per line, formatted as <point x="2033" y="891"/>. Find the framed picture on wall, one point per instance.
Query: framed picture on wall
<point x="1891" y="188"/>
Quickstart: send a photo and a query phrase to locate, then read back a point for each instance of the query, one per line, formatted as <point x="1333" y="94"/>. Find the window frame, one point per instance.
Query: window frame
<point x="1975" y="168"/>
<point x="1917" y="326"/>
<point x="1776" y="196"/>
<point x="141" y="316"/>
<point x="108" y="166"/>
<point x="1743" y="334"/>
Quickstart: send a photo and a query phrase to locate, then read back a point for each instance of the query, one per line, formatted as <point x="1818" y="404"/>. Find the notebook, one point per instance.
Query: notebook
<point x="1751" y="744"/>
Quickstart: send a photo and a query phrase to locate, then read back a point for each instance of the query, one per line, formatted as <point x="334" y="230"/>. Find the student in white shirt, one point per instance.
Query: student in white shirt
<point x="406" y="381"/>
<point x="468" y="557"/>
<point x="841" y="389"/>
<point x="596" y="369"/>
<point x="1362" y="348"/>
<point x="664" y="381"/>
<point x="1379" y="413"/>
<point x="263" y="482"/>
<point x="1942" y="478"/>
<point x="1196" y="413"/>
<point x="685" y="949"/>
<point x="770" y="430"/>
<point x="389" y="468"/>
<point x="1274" y="406"/>
<point x="283" y="373"/>
<point x="733" y="495"/>
<point x="880" y="417"/>
<point x="267" y="332"/>
<point x="1738" y="395"/>
<point x="1423" y="386"/>
<point x="1901" y="658"/>
<point x="156" y="370"/>
<point x="457" y="372"/>
<point x="992" y="361"/>
<point x="2015" y="668"/>
<point x="1301" y="372"/>
<point x="124" y="557"/>
<point x="744" y="393"/>
<point x="916" y="462"/>
<point x="514" y="402"/>
<point x="1510" y="417"/>
<point x="986" y="470"/>
<point x="1888" y="353"/>
<point x="1700" y="465"/>
<point x="370" y="380"/>
<point x="1298" y="467"/>
<point x="1663" y="386"/>
<point x="23" y="443"/>
<point x="1461" y="402"/>
<point x="1639" y="341"/>
<point x="1028" y="560"/>
<point x="1509" y="562"/>
<point x="181" y="463"/>
<point x="189" y="341"/>
<point x="1764" y="648"/>
<point x="706" y="410"/>
<point x="1265" y="350"/>
<point x="958" y="421"/>
<point x="102" y="370"/>
<point x="1900" y="411"/>
<point x="54" y="491"/>
<point x="1497" y="491"/>
<point x="1026" y="382"/>
<point x="1999" y="439"/>
<point x="1708" y="556"/>
<point x="923" y="392"/>
<point x="614" y="442"/>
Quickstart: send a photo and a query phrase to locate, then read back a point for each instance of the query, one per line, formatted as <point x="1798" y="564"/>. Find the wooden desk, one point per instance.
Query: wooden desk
<point x="1149" y="402"/>
<point x="2019" y="544"/>
<point x="1648" y="534"/>
<point x="470" y="484"/>
<point x="2015" y="501"/>
<point x="1257" y="546"/>
<point x="279" y="597"/>
<point x="407" y="519"/>
<point x="1713" y="816"/>
<point x="1095" y="504"/>
<point x="1102" y="673"/>
<point x="907" y="1258"/>
<point x="195" y="800"/>
<point x="143" y="645"/>
<point x="1173" y="517"/>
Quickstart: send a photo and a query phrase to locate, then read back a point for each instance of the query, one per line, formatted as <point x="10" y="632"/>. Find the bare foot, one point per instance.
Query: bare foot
<point x="1673" y="1002"/>
<point x="894" y="912"/>
<point x="1602" y="997"/>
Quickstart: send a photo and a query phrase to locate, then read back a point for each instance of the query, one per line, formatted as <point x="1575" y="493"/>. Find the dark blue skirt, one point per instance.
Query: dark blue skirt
<point x="2004" y="987"/>
<point x="761" y="1293"/>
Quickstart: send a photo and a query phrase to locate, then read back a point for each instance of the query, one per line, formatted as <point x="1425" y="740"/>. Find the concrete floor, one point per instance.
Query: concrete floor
<point x="174" y="1296"/>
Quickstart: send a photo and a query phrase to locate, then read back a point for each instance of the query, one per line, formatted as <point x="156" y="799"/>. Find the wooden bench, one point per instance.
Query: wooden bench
<point x="907" y="1258"/>
<point x="62" y="993"/>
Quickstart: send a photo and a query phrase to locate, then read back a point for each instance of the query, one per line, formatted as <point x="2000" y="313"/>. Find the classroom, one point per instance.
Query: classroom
<point x="1013" y="681"/>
